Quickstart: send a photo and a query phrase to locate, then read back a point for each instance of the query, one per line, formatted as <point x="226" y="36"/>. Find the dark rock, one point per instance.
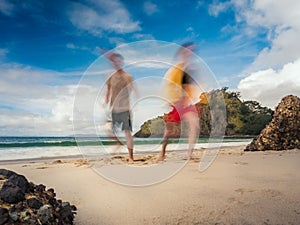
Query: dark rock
<point x="31" y="204"/>
<point x="45" y="214"/>
<point x="73" y="207"/>
<point x="51" y="192"/>
<point x="14" y="217"/>
<point x="19" y="207"/>
<point x="40" y="188"/>
<point x="30" y="187"/>
<point x="4" y="216"/>
<point x="34" y="203"/>
<point x="52" y="201"/>
<point x="283" y="132"/>
<point x="19" y="181"/>
<point x="66" y="213"/>
<point x="29" y="221"/>
<point x="13" y="208"/>
<point x="7" y="173"/>
<point x="11" y="193"/>
<point x="14" y="188"/>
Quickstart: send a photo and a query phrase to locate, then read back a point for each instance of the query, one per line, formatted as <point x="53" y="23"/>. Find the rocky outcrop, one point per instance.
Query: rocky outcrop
<point x="283" y="132"/>
<point x="22" y="202"/>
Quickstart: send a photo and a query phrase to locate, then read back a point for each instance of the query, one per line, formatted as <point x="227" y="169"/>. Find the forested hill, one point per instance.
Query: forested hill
<point x="243" y="118"/>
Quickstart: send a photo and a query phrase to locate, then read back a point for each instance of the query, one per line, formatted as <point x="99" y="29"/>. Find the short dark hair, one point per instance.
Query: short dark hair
<point x="115" y="55"/>
<point x="183" y="46"/>
<point x="187" y="44"/>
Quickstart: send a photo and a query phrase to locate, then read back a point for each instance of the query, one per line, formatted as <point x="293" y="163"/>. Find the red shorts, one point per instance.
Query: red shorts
<point x="177" y="113"/>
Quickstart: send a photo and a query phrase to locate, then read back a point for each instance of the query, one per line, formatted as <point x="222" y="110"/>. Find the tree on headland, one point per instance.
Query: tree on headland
<point x="243" y="117"/>
<point x="255" y="117"/>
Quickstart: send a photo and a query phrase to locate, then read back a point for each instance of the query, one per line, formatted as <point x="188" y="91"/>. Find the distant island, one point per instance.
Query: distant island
<point x="244" y="118"/>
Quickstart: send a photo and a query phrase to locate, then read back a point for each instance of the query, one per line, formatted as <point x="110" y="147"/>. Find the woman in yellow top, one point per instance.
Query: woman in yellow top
<point x="180" y="86"/>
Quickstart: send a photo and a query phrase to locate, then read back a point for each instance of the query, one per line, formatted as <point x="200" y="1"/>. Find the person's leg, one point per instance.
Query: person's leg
<point x="116" y="149"/>
<point x="127" y="127"/>
<point x="166" y="136"/>
<point x="129" y="143"/>
<point x="193" y="123"/>
<point x="112" y="133"/>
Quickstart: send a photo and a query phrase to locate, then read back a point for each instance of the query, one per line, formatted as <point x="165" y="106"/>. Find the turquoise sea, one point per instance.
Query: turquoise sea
<point x="22" y="148"/>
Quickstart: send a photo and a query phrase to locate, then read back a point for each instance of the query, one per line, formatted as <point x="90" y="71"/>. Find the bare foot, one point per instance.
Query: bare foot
<point x="161" y="158"/>
<point x="188" y="158"/>
<point x="116" y="150"/>
<point x="130" y="161"/>
<point x="195" y="160"/>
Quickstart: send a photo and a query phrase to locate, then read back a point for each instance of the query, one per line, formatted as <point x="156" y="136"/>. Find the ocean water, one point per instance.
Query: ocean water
<point x="29" y="148"/>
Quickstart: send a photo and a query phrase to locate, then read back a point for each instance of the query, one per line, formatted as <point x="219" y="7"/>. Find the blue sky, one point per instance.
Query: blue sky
<point x="61" y="36"/>
<point x="46" y="46"/>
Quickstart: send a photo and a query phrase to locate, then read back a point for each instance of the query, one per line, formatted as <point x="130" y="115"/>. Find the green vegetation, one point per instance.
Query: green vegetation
<point x="243" y="117"/>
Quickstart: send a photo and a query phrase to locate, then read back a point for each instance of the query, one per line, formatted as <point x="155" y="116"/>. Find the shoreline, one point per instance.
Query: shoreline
<point x="11" y="155"/>
<point x="230" y="149"/>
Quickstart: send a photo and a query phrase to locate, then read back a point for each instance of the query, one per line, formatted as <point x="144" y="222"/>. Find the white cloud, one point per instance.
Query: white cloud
<point x="33" y="8"/>
<point x="199" y="4"/>
<point x="217" y="7"/>
<point x="17" y="122"/>
<point x="191" y="34"/>
<point x="17" y="81"/>
<point x="6" y="7"/>
<point x="98" y="51"/>
<point x="140" y="36"/>
<point x="272" y="74"/>
<point x="99" y="16"/>
<point x="276" y="18"/>
<point x="29" y="105"/>
<point x="150" y="8"/>
<point x="75" y="47"/>
<point x="273" y="13"/>
<point x="71" y="46"/>
<point x="116" y="40"/>
<point x="190" y="29"/>
<point x="3" y="53"/>
<point x="269" y="86"/>
<point x="285" y="48"/>
<point x="280" y="19"/>
<point x="148" y="53"/>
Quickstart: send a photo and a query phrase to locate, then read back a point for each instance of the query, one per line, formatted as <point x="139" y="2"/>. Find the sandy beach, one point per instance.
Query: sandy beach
<point x="238" y="188"/>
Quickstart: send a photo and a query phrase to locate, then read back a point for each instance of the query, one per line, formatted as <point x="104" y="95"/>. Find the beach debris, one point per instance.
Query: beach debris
<point x="4" y="215"/>
<point x="23" y="202"/>
<point x="283" y="132"/>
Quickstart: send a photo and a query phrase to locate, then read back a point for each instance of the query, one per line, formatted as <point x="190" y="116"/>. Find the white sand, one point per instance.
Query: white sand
<point x="238" y="188"/>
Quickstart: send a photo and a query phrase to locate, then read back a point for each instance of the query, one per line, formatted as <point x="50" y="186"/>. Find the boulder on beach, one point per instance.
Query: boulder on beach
<point x="22" y="202"/>
<point x="283" y="132"/>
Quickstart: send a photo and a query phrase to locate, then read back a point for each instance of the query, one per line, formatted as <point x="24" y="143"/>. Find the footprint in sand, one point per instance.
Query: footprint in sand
<point x="241" y="163"/>
<point x="244" y="190"/>
<point x="270" y="193"/>
<point x="231" y="200"/>
<point x="57" y="162"/>
<point x="42" y="167"/>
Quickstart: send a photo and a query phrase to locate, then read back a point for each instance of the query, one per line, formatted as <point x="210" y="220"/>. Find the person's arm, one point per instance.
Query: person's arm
<point x="133" y="88"/>
<point x="107" y="94"/>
